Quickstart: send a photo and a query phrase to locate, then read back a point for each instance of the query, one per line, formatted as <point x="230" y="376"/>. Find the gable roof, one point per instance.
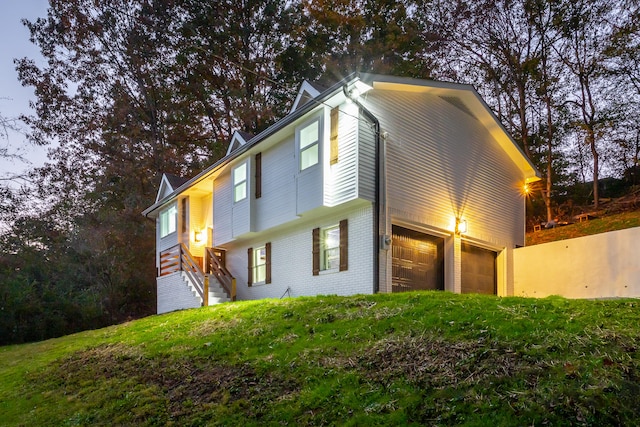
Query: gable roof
<point x="306" y="93"/>
<point x="467" y="99"/>
<point x="238" y="139"/>
<point x="463" y="96"/>
<point x="169" y="184"/>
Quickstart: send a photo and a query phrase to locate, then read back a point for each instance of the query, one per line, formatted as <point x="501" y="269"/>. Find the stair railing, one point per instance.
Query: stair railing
<point x="178" y="258"/>
<point x="215" y="267"/>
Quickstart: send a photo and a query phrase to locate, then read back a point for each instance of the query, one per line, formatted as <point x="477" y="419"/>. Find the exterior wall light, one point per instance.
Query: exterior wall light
<point x="197" y="236"/>
<point x="461" y="226"/>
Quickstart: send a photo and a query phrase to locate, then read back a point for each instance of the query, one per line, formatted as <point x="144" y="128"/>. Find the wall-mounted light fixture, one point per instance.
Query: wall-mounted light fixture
<point x="197" y="236"/>
<point x="461" y="226"/>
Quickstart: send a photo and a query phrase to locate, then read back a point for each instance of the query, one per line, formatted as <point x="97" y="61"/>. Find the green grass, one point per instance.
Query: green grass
<point x="403" y="359"/>
<point x="594" y="226"/>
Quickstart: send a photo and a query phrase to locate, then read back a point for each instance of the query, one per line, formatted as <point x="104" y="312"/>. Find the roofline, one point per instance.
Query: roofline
<point x="277" y="126"/>
<point x="370" y="78"/>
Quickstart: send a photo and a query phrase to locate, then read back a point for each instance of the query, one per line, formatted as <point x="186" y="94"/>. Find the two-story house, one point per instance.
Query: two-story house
<point x="376" y="184"/>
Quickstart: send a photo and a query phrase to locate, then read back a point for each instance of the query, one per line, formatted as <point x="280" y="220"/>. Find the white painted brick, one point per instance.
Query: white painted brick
<point x="291" y="260"/>
<point x="175" y="294"/>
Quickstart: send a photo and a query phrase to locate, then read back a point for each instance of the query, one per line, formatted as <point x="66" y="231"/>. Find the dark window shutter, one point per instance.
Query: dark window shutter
<point x="334" y="136"/>
<point x="267" y="248"/>
<point x="184" y="219"/>
<point x="344" y="245"/>
<point x="250" y="266"/>
<point x="258" y="175"/>
<point x="316" y="251"/>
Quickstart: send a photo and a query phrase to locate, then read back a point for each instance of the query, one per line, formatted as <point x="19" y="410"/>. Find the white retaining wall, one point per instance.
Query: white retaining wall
<point x="599" y="266"/>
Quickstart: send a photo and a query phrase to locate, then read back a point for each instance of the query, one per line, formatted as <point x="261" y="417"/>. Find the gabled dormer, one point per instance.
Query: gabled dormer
<point x="238" y="139"/>
<point x="168" y="185"/>
<point x="306" y="93"/>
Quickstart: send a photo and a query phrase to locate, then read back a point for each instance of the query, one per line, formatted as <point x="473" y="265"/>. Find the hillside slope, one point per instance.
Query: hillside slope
<point x="417" y="358"/>
<point x="601" y="224"/>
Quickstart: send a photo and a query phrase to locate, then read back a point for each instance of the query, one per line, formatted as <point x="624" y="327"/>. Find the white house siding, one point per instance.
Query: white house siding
<point x="445" y="164"/>
<point x="175" y="294"/>
<point x="277" y="204"/>
<point x="366" y="159"/>
<point x="291" y="258"/>
<point x="341" y="178"/>
<point x="309" y="182"/>
<point x="598" y="266"/>
<point x="241" y="212"/>
<point x="222" y="204"/>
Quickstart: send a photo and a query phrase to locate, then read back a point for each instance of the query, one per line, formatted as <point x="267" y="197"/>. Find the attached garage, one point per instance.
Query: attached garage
<point x="478" y="270"/>
<point x="418" y="261"/>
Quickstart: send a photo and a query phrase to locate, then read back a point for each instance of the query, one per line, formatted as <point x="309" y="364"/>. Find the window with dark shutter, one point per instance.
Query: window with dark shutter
<point x="258" y="175"/>
<point x="250" y="266"/>
<point x="334" y="136"/>
<point x="316" y="251"/>
<point x="344" y="245"/>
<point x="268" y="262"/>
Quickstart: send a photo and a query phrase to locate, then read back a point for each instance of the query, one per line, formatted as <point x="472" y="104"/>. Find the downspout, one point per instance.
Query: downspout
<point x="377" y="199"/>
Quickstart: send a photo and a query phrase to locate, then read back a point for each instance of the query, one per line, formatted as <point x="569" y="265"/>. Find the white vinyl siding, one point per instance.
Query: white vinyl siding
<point x="309" y="181"/>
<point x="340" y="181"/>
<point x="446" y="165"/>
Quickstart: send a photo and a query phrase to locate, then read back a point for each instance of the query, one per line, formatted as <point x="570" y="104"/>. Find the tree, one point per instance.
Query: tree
<point x="585" y="25"/>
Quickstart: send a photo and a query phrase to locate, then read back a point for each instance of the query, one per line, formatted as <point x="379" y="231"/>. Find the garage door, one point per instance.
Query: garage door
<point x="478" y="270"/>
<point x="418" y="261"/>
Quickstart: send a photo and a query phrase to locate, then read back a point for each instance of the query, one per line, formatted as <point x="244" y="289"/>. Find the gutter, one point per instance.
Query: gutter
<point x="376" y="219"/>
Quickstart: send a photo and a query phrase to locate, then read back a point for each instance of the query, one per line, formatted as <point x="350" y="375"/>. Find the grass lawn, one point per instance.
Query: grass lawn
<point x="424" y="358"/>
<point x="594" y="226"/>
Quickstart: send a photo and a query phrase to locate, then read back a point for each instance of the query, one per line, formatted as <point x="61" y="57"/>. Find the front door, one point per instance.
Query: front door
<point x="418" y="261"/>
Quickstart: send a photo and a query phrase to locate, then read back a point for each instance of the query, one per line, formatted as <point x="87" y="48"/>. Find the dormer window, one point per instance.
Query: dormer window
<point x="309" y="144"/>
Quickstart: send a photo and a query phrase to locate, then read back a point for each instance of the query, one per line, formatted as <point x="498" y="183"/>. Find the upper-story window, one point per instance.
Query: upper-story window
<point x="309" y="144"/>
<point x="168" y="220"/>
<point x="240" y="182"/>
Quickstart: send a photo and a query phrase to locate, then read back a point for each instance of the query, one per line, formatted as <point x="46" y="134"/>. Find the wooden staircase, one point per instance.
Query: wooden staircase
<point x="213" y="285"/>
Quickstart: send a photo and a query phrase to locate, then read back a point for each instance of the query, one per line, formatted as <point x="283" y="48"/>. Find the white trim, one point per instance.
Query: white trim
<point x="236" y="138"/>
<point x="307" y="88"/>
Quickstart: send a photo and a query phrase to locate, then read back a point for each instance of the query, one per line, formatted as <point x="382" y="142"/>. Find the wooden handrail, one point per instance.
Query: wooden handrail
<point x="215" y="267"/>
<point x="178" y="258"/>
<point x="192" y="269"/>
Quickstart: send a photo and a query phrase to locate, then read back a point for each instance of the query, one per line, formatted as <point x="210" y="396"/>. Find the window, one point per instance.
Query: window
<point x="259" y="265"/>
<point x="168" y="220"/>
<point x="309" y="138"/>
<point x="330" y="248"/>
<point x="240" y="182"/>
